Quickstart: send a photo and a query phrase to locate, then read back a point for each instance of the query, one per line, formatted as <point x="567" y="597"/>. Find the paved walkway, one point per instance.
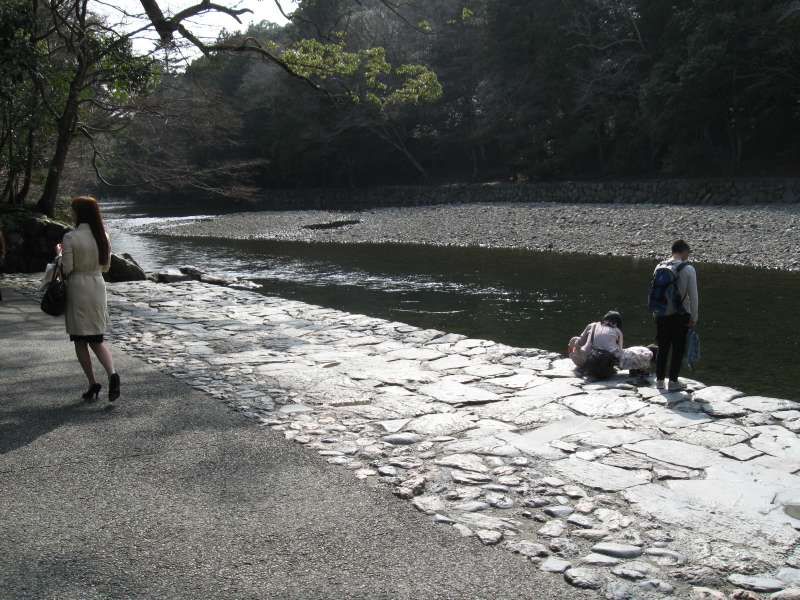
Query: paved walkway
<point x="173" y="495"/>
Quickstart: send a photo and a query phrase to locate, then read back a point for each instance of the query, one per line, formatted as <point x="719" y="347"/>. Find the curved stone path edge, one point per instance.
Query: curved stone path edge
<point x="612" y="486"/>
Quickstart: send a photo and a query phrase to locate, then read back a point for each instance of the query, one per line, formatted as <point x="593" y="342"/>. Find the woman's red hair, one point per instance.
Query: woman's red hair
<point x="87" y="211"/>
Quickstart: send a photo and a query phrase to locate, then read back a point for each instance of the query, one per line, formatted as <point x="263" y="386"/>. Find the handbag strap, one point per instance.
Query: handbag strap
<point x="59" y="268"/>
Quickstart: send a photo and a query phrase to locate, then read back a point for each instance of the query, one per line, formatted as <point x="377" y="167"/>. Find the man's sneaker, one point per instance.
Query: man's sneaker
<point x="660" y="384"/>
<point x="676" y="386"/>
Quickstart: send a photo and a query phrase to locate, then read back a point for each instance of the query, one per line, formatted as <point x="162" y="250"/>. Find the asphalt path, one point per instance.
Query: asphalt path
<point x="170" y="494"/>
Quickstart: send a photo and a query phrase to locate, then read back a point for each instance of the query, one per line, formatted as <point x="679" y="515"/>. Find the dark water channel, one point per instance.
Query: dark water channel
<point x="749" y="319"/>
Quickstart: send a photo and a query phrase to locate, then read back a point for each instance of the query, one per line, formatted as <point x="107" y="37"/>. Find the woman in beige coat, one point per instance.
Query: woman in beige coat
<point x="86" y="253"/>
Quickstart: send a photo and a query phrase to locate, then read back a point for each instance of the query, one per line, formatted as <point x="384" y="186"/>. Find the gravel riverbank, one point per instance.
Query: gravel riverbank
<point x="762" y="236"/>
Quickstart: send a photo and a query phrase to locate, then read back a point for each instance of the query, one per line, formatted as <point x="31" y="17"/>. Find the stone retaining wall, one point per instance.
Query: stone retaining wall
<point x="656" y="191"/>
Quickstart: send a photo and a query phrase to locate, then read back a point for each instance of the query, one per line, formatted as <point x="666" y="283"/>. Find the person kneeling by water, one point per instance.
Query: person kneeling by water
<point x="599" y="348"/>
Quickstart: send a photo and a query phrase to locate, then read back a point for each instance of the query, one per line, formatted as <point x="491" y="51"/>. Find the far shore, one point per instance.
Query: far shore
<point x="765" y="236"/>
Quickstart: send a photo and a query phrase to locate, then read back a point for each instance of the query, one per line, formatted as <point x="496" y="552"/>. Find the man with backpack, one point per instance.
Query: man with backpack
<point x="674" y="302"/>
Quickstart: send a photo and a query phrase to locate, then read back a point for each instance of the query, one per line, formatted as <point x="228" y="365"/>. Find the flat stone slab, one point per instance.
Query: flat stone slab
<point x="675" y="453"/>
<point x="440" y="424"/>
<point x="463" y="462"/>
<point x="537" y="441"/>
<point x="454" y="361"/>
<point x="600" y="476"/>
<point x="612" y="438"/>
<point x="687" y="504"/>
<point x="716" y="393"/>
<point x="778" y="444"/>
<point x="665" y="418"/>
<point x="602" y="406"/>
<point x="481" y="521"/>
<point x="713" y="436"/>
<point x="723" y="410"/>
<point x="420" y="354"/>
<point x="458" y="393"/>
<point x="486" y="371"/>
<point x="764" y="404"/>
<point x="740" y="452"/>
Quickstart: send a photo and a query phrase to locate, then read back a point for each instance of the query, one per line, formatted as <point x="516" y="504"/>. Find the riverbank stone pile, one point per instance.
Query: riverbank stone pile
<point x="612" y="486"/>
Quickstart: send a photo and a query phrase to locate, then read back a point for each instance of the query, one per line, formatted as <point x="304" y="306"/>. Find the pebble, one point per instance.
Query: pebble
<point x="618" y="550"/>
<point x="553" y="529"/>
<point x="787" y="594"/>
<point x="527" y="548"/>
<point x="756" y="583"/>
<point x="489" y="537"/>
<point x="581" y="521"/>
<point x="402" y="438"/>
<point x="635" y="570"/>
<point x="555" y="565"/>
<point x="428" y="504"/>
<point x="665" y="557"/>
<point x="586" y="579"/>
<point x="536" y="502"/>
<point x="442" y="519"/>
<point x="499" y="501"/>
<point x="558" y="511"/>
<point x="471" y="506"/>
<point x="704" y="593"/>
<point x="744" y="595"/>
<point x="552" y="482"/>
<point x="599" y="560"/>
<point x="591" y="534"/>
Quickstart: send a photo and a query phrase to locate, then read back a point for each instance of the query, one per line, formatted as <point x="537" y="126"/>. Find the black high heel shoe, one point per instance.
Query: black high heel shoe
<point x="92" y="393"/>
<point x="113" y="387"/>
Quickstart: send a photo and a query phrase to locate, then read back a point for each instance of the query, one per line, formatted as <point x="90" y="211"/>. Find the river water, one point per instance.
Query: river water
<point x="749" y="319"/>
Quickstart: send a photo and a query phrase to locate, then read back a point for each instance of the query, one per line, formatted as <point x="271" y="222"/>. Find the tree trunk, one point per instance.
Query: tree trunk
<point x="26" y="182"/>
<point x="66" y="130"/>
<point x="47" y="203"/>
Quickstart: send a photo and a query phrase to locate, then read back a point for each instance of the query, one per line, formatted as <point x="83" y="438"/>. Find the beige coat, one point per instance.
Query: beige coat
<point x="87" y="312"/>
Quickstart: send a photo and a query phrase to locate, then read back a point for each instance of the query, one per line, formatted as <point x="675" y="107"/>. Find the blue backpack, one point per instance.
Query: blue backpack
<point x="665" y="297"/>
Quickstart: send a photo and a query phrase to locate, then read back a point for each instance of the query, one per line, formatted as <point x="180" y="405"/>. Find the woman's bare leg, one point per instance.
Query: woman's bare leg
<point x="103" y="354"/>
<point x="82" y="352"/>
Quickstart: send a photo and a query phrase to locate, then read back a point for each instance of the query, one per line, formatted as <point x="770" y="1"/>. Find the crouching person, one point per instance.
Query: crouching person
<point x="599" y="348"/>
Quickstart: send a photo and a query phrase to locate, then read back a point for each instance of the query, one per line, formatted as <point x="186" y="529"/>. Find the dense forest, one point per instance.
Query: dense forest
<point x="367" y="92"/>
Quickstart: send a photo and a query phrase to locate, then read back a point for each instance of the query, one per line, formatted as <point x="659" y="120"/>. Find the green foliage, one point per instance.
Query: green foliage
<point x="366" y="74"/>
<point x="491" y="89"/>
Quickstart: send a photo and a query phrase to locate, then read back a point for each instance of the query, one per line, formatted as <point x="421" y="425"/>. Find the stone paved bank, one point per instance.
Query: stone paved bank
<point x="611" y="486"/>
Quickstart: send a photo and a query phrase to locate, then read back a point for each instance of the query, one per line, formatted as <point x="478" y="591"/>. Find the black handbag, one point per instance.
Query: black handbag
<point x="54" y="301"/>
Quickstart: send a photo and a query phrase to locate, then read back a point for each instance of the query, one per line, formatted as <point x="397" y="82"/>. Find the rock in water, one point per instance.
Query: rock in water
<point x="171" y="276"/>
<point x="124" y="268"/>
<point x="192" y="272"/>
